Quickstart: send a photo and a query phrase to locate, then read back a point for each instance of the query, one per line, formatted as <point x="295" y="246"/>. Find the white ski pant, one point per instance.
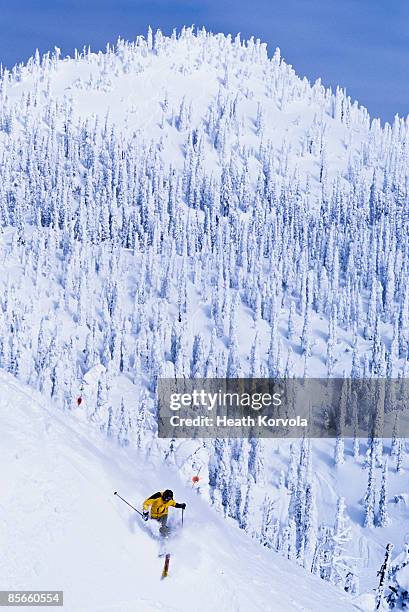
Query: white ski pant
<point x="164" y="529"/>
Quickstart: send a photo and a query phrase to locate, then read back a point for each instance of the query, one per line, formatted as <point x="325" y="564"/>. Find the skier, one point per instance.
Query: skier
<point x="159" y="504"/>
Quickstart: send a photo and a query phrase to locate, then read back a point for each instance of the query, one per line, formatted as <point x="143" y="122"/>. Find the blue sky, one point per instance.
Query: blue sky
<point x="363" y="45"/>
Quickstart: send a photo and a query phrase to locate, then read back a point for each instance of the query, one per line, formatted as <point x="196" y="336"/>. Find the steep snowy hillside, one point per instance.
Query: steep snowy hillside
<point x="249" y="198"/>
<point x="62" y="528"/>
<point x="187" y="206"/>
<point x="229" y="91"/>
<point x="222" y="103"/>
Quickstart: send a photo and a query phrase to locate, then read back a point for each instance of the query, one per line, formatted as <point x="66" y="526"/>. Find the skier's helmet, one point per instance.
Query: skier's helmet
<point x="167" y="495"/>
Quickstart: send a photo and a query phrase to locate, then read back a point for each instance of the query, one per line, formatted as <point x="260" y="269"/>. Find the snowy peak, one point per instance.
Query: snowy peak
<point x="188" y="207"/>
<point x="227" y="92"/>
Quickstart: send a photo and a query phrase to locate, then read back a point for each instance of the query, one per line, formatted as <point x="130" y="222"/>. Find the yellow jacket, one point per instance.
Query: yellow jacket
<point x="159" y="507"/>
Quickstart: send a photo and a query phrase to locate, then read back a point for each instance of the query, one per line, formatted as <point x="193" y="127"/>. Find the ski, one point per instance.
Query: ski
<point x="166" y="566"/>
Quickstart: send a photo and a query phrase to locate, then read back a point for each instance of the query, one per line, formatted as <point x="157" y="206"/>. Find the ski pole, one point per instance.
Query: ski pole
<point x="124" y="500"/>
<point x="182" y="515"/>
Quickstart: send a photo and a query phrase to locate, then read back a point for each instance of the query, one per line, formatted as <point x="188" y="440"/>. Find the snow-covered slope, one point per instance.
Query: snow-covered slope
<point x="187" y="206"/>
<point x="157" y="90"/>
<point x="62" y="528"/>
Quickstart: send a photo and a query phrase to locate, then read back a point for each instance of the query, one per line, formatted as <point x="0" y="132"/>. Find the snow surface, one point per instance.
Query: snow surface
<point x="131" y="91"/>
<point x="62" y="528"/>
<point x="57" y="321"/>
